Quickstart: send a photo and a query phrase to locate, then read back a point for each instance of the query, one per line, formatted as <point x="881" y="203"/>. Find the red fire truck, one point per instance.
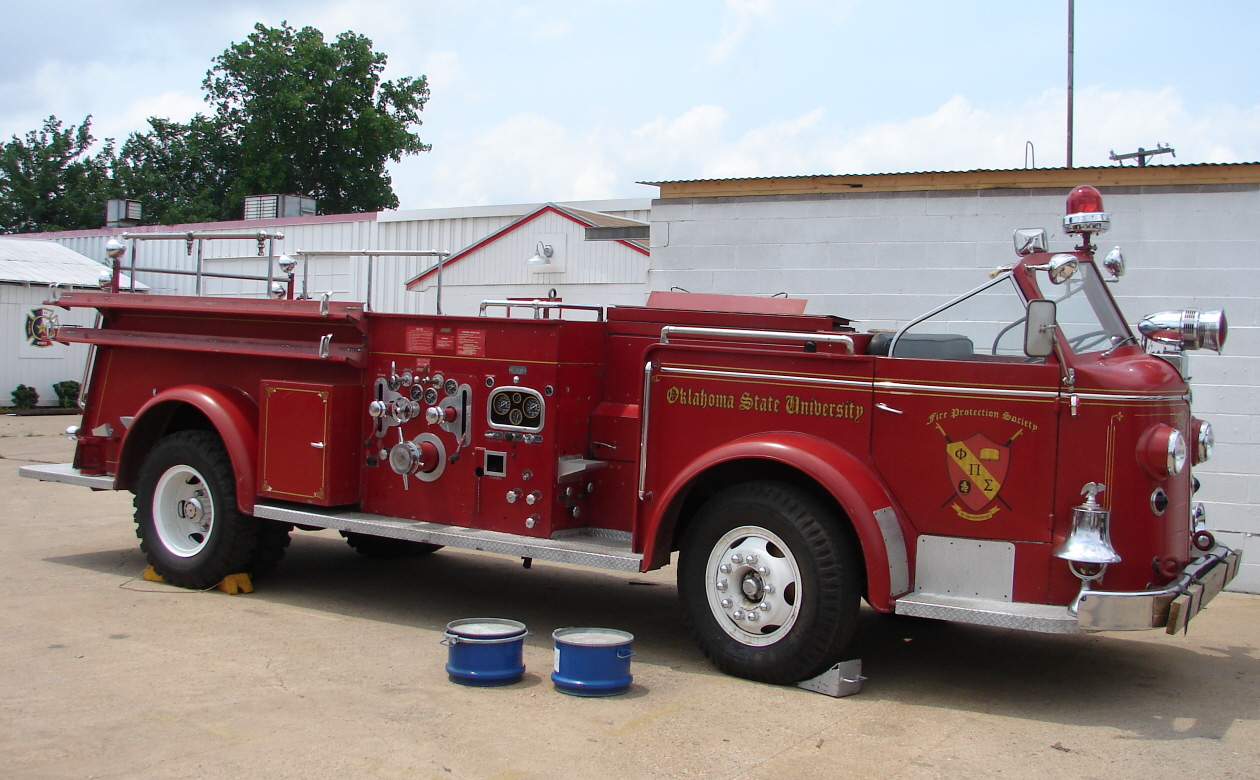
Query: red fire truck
<point x="1017" y="457"/>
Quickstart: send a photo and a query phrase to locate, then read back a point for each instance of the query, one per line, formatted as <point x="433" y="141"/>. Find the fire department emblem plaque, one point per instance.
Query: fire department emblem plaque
<point x="39" y="328"/>
<point x="977" y="466"/>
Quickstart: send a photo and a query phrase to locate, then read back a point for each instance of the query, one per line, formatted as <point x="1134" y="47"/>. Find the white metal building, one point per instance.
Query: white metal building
<point x="31" y="273"/>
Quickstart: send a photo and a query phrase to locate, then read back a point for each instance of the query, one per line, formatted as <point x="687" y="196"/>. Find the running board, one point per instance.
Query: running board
<point x="596" y="549"/>
<point x="1042" y="618"/>
<point x="67" y="473"/>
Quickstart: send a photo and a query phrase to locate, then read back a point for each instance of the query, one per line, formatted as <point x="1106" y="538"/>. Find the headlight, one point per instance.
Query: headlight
<point x="1204" y="440"/>
<point x="1161" y="451"/>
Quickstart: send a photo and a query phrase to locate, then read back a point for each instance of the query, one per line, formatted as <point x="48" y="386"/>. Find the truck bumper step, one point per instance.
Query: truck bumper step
<point x="67" y="473"/>
<point x="1042" y="618"/>
<point x="594" y="548"/>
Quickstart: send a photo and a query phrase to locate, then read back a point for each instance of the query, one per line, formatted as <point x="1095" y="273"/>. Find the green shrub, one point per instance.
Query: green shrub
<point x="67" y="393"/>
<point x="25" y="397"/>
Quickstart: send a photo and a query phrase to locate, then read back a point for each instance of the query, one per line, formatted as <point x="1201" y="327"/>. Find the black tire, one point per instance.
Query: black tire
<point x="384" y="547"/>
<point x="186" y="515"/>
<point x="273" y="540"/>
<point x="803" y="587"/>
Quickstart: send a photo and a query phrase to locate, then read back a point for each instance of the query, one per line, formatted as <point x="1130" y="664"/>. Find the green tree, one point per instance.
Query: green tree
<point x="314" y="118"/>
<point x="180" y="172"/>
<point x="51" y="180"/>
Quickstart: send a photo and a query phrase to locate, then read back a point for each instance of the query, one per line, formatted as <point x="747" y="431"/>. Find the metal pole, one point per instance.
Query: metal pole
<point x="200" y="266"/>
<point x="306" y="273"/>
<point x="441" y="258"/>
<point x="367" y="299"/>
<point x="1071" y="55"/>
<point x="133" y="266"/>
<point x="271" y="265"/>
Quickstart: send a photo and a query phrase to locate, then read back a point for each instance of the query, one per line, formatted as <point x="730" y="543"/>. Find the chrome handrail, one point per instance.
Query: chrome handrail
<point x="737" y="334"/>
<point x="541" y="304"/>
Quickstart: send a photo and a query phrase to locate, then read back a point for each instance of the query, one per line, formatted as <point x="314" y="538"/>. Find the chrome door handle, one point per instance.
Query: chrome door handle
<point x="888" y="408"/>
<point x="319" y="445"/>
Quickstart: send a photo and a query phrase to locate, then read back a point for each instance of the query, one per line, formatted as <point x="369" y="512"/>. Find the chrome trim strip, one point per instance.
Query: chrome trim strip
<point x="1133" y="398"/>
<point x="643" y="428"/>
<point x="903" y="386"/>
<point x="891" y="386"/>
<point x="866" y="384"/>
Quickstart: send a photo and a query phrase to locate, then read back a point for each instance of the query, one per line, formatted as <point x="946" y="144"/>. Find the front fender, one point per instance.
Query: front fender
<point x="878" y="522"/>
<point x="233" y="414"/>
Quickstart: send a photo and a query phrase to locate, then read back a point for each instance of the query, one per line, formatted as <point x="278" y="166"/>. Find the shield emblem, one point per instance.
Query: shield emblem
<point x="977" y="466"/>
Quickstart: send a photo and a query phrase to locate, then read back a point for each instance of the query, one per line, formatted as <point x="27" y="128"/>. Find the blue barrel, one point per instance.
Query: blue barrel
<point x="592" y="661"/>
<point x="485" y="651"/>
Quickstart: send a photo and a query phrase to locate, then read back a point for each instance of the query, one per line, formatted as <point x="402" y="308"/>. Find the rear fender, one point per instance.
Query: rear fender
<point x="850" y="483"/>
<point x="233" y="414"/>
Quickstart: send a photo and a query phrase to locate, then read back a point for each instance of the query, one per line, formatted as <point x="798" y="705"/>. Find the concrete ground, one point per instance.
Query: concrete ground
<point x="333" y="668"/>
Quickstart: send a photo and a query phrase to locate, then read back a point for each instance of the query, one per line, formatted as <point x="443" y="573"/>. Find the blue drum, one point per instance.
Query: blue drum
<point x="485" y="651"/>
<point x="592" y="661"/>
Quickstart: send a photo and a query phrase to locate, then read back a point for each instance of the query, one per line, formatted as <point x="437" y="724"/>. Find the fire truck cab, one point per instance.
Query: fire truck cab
<point x="1016" y="457"/>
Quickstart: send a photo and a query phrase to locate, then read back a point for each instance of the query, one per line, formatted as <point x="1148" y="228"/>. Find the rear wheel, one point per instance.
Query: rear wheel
<point x="186" y="515"/>
<point x="769" y="583"/>
<point x="384" y="547"/>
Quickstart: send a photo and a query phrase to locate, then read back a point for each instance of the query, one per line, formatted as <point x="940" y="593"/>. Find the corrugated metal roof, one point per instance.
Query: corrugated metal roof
<point x="1045" y="169"/>
<point x="23" y="261"/>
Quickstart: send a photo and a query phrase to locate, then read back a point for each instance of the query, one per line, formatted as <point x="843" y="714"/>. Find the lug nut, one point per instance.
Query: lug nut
<point x="752" y="617"/>
<point x="764" y="607"/>
<point x="725" y="568"/>
<point x="738" y="614"/>
<point x="723" y="585"/>
<point x="767" y="588"/>
<point x="762" y="570"/>
<point x="751" y="559"/>
<point x="737" y="558"/>
<point x="726" y="603"/>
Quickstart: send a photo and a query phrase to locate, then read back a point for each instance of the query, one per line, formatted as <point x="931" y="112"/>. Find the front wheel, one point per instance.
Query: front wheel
<point x="769" y="583"/>
<point x="186" y="515"/>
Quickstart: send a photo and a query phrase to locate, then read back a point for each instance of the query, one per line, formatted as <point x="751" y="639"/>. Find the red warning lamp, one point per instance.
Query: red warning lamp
<point x="1085" y="212"/>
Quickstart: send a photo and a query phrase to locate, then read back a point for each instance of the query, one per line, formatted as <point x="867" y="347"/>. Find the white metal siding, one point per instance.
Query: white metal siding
<point x="16" y="302"/>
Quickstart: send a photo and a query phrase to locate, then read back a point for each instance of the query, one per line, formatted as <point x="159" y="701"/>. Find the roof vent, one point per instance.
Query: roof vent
<point x="123" y="213"/>
<point x="273" y="206"/>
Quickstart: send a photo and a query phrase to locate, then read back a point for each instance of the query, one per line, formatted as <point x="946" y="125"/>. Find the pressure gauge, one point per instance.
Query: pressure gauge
<point x="532" y="407"/>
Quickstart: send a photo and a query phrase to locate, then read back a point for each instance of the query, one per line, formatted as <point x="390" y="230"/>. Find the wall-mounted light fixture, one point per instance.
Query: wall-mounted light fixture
<point x="542" y="255"/>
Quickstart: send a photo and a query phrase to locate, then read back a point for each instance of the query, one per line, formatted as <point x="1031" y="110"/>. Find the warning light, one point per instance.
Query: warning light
<point x="1085" y="212"/>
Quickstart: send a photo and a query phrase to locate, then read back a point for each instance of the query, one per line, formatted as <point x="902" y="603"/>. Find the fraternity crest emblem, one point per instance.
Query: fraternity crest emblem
<point x="977" y="466"/>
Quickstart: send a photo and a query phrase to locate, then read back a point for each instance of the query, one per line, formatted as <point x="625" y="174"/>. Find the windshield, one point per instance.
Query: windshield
<point x="985" y="324"/>
<point x="1086" y="315"/>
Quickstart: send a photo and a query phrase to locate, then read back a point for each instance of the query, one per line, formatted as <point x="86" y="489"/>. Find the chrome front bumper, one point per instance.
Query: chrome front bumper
<point x="1170" y="607"/>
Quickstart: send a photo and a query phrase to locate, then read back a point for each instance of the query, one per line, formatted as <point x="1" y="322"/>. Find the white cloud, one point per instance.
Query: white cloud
<point x="531" y="158"/>
<point x="737" y="20"/>
<point x="525" y="158"/>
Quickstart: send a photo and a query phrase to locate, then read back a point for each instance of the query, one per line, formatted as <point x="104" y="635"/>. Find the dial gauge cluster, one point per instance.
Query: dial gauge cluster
<point x="516" y="409"/>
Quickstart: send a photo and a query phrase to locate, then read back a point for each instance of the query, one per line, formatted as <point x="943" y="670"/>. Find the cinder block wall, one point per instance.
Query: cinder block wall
<point x="882" y="258"/>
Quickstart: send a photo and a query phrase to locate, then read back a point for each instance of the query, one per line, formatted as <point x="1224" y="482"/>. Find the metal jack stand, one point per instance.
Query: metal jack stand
<point x="843" y="679"/>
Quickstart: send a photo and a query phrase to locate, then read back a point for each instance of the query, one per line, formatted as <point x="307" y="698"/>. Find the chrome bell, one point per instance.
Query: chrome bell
<point x="1090" y="539"/>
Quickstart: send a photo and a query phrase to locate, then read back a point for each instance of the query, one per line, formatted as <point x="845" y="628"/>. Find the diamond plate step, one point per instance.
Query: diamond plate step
<point x="596" y="548"/>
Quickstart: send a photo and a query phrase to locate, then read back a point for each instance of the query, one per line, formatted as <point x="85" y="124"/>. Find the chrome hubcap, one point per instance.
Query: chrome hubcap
<point x="752" y="582"/>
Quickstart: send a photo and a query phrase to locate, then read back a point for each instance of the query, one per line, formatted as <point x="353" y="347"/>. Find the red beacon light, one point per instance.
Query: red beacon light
<point x="1085" y="212"/>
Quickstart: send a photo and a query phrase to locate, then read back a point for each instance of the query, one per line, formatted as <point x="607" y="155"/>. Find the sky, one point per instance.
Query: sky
<point x="560" y="100"/>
